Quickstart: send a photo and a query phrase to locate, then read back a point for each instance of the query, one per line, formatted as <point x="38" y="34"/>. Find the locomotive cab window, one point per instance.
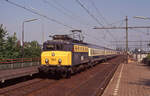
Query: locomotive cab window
<point x="57" y="47"/>
<point x="49" y="47"/>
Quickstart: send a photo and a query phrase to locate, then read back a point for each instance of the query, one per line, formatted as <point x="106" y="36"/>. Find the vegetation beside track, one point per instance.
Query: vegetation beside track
<point x="10" y="46"/>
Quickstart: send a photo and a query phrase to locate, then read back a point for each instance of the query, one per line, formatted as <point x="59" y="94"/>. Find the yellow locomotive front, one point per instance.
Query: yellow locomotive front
<point x="56" y="57"/>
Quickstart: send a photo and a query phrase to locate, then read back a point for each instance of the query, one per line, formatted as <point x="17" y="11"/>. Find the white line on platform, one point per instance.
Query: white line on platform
<point x="118" y="82"/>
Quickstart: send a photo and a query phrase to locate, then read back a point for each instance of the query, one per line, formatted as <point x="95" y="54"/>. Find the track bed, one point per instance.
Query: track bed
<point x="91" y="82"/>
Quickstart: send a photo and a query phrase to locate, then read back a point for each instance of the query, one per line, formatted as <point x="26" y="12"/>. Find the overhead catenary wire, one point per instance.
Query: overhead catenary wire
<point x="98" y="12"/>
<point x="103" y="18"/>
<point x="119" y="21"/>
<point x="139" y="30"/>
<point x="52" y="5"/>
<point x="93" y="17"/>
<point x="46" y="1"/>
<point x="93" y="37"/>
<point x="65" y="11"/>
<point x="62" y="7"/>
<point x="79" y="2"/>
<point x="37" y="13"/>
<point x="140" y="37"/>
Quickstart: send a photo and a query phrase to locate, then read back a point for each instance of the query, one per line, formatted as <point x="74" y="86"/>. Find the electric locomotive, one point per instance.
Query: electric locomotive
<point x="64" y="55"/>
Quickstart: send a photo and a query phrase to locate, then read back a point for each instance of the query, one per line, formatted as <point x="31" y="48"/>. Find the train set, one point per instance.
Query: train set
<point x="64" y="55"/>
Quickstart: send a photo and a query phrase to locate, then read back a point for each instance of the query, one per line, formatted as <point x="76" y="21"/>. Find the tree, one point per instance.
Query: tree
<point x="13" y="50"/>
<point x="10" y="46"/>
<point x="3" y="34"/>
<point x="32" y="49"/>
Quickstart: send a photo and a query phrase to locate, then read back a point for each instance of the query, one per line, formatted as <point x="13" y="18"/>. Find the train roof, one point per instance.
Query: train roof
<point x="95" y="46"/>
<point x="57" y="41"/>
<point x="65" y="39"/>
<point x="81" y="43"/>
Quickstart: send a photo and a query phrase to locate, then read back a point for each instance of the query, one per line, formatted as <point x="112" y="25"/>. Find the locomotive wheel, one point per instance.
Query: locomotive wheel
<point x="66" y="74"/>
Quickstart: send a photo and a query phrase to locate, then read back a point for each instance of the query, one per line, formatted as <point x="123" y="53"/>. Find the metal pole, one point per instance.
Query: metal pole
<point x="126" y="40"/>
<point x="140" y="50"/>
<point x="22" y="39"/>
<point x="42" y="29"/>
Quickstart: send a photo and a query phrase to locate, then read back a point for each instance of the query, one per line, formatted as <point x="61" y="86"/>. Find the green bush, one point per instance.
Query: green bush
<point x="10" y="46"/>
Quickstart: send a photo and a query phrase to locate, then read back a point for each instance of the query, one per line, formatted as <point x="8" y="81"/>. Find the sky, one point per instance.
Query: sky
<point x="70" y="13"/>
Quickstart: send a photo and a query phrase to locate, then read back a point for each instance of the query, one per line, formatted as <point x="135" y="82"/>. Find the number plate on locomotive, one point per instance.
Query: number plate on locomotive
<point x="53" y="59"/>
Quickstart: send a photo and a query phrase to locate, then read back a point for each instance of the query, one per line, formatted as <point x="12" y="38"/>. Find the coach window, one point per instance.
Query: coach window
<point x="76" y="48"/>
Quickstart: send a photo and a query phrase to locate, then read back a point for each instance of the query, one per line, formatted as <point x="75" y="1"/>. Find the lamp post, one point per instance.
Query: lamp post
<point x="23" y="33"/>
<point x="141" y="17"/>
<point x="145" y="18"/>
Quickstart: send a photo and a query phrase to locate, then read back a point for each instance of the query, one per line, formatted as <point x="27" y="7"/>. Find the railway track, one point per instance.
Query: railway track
<point x="91" y="82"/>
<point x="24" y="88"/>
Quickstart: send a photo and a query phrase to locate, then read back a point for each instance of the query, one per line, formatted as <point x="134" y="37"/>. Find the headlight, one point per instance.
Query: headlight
<point x="46" y="60"/>
<point x="59" y="60"/>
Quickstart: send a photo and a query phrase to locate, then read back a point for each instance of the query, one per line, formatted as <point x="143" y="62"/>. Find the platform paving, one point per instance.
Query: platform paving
<point x="132" y="79"/>
<point x="15" y="73"/>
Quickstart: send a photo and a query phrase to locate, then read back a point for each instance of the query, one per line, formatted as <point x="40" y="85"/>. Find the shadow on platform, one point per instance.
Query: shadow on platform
<point x="145" y="82"/>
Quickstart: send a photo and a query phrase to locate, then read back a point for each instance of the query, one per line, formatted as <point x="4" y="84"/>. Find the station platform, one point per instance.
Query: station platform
<point x="132" y="79"/>
<point x="15" y="73"/>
